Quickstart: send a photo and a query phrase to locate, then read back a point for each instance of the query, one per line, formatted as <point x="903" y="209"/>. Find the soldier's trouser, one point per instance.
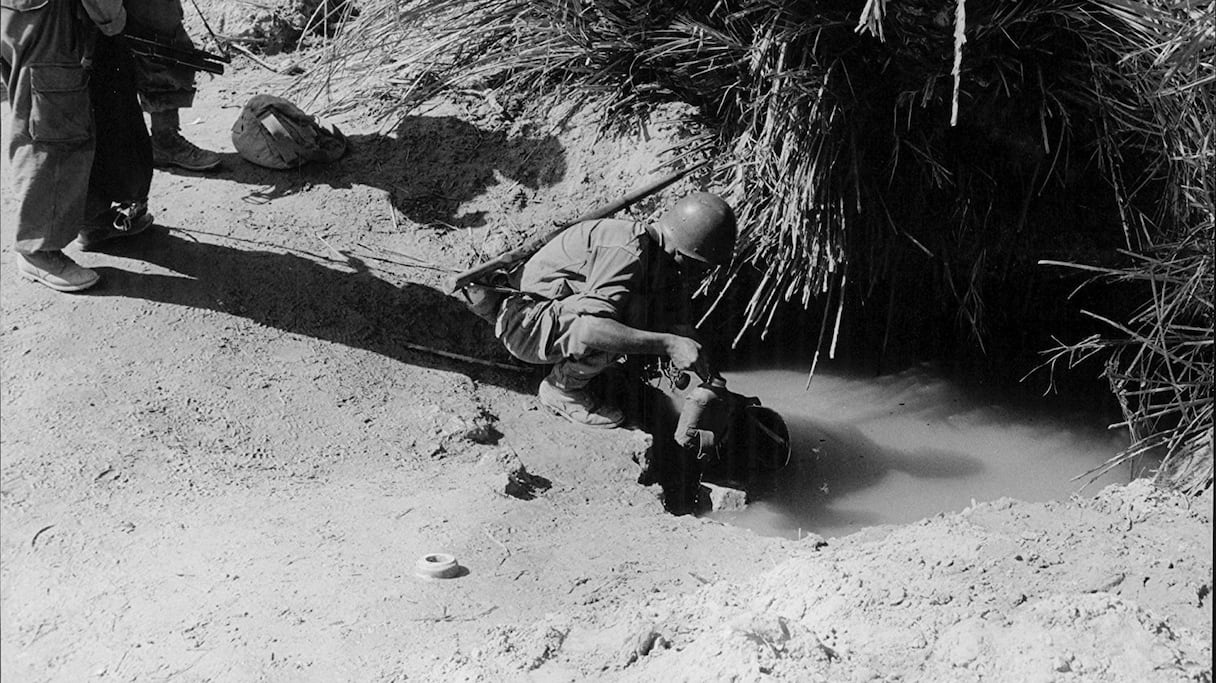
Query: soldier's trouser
<point x="162" y="87"/>
<point x="541" y="331"/>
<point x="122" y="162"/>
<point x="78" y="142"/>
<point x="50" y="148"/>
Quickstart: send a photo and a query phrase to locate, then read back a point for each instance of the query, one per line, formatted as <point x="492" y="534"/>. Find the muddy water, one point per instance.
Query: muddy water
<point x="900" y="448"/>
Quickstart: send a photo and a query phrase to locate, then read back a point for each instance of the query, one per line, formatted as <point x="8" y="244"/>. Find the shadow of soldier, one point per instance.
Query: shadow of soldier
<point x="430" y="166"/>
<point x="300" y="295"/>
<point x="835" y="462"/>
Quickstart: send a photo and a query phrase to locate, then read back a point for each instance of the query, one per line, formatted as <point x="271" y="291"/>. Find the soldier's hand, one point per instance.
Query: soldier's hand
<point x="481" y="300"/>
<point x="686" y="354"/>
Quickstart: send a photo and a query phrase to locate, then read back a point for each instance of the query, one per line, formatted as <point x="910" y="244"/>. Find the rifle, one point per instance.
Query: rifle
<point x="531" y="246"/>
<point x="197" y="60"/>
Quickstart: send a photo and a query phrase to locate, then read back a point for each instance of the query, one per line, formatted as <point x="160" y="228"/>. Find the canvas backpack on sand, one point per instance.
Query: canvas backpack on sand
<point x="275" y="133"/>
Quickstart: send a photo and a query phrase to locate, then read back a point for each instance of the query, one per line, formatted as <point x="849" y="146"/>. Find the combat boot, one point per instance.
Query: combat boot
<point x="169" y="148"/>
<point x="579" y="406"/>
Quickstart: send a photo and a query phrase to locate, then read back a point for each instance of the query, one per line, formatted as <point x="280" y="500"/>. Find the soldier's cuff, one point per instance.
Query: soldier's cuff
<point x="114" y="26"/>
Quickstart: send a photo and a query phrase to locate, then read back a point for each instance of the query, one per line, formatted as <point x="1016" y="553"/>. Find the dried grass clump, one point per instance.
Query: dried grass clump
<point x="1160" y="362"/>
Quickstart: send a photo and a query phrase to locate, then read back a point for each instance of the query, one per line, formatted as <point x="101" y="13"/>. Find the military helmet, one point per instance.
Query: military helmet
<point x="701" y="226"/>
<point x="272" y="132"/>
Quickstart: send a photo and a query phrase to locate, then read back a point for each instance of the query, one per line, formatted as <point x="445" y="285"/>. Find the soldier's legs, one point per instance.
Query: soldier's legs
<point x="50" y="147"/>
<point x="565" y="392"/>
<point x="164" y="89"/>
<point x="121" y="177"/>
<point x="574" y="374"/>
<point x="171" y="148"/>
<point x="540" y="331"/>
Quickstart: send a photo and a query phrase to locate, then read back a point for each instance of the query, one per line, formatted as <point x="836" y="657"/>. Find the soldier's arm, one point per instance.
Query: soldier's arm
<point x="606" y="334"/>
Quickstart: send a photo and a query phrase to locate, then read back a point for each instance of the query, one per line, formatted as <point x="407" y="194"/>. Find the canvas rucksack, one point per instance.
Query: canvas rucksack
<point x="275" y="133"/>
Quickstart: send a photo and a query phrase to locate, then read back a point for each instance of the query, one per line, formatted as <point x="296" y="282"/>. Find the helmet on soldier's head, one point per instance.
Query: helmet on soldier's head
<point x="701" y="226"/>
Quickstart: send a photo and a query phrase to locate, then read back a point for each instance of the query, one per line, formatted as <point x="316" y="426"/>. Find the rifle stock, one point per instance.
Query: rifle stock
<point x="530" y="247"/>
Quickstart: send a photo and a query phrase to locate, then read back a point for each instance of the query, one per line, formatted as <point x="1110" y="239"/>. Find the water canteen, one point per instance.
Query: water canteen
<point x="275" y="133"/>
<point x="732" y="432"/>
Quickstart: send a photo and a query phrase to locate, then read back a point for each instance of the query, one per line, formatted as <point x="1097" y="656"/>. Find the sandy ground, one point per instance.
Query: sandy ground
<point x="223" y="463"/>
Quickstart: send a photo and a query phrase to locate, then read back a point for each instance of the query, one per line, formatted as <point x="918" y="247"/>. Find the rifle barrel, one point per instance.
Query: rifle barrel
<point x="198" y="60"/>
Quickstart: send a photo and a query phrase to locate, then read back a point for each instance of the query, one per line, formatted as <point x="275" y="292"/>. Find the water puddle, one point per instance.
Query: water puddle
<point x="900" y="448"/>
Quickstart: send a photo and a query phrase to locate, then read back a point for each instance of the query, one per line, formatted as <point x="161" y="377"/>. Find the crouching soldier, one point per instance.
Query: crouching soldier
<point x="607" y="288"/>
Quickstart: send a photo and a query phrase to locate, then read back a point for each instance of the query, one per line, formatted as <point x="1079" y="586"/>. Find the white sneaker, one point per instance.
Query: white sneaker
<point x="92" y="237"/>
<point x="55" y="270"/>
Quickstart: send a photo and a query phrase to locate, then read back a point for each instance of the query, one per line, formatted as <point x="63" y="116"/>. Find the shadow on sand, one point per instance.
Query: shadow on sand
<point x="299" y="295"/>
<point x="429" y="166"/>
<point x="832" y="461"/>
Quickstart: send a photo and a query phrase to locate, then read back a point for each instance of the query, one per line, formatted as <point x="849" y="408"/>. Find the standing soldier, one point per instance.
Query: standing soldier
<point x="80" y="163"/>
<point x="165" y="89"/>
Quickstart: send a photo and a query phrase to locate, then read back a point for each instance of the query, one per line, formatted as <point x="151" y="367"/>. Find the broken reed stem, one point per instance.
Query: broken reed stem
<point x="461" y="357"/>
<point x="342" y="257"/>
<point x="417" y="262"/>
<point x="823" y="326"/>
<point x="960" y="37"/>
<point x="253" y="58"/>
<point x="392" y="211"/>
<point x="839" y="315"/>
